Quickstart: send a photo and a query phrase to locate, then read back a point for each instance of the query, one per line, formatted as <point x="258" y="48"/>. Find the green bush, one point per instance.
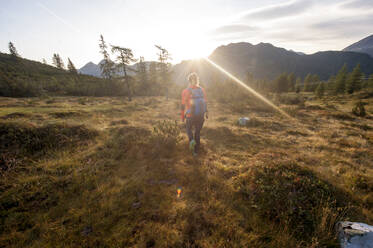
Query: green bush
<point x="166" y="135"/>
<point x="289" y="195"/>
<point x="359" y="109"/>
<point x="30" y="140"/>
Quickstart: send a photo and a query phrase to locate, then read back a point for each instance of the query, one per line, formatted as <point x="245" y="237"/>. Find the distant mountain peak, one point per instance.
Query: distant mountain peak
<point x="363" y="46"/>
<point x="90" y="69"/>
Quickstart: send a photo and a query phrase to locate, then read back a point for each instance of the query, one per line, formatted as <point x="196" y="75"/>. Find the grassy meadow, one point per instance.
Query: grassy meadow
<point x="104" y="172"/>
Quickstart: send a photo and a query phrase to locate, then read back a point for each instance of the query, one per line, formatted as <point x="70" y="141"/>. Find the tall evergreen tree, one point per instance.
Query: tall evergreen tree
<point x="291" y="81"/>
<point x="331" y="83"/>
<point x="107" y="66"/>
<point x="340" y="80"/>
<point x="307" y="83"/>
<point x="320" y="90"/>
<point x="298" y="85"/>
<point x="153" y="77"/>
<point x="57" y="61"/>
<point x="354" y="80"/>
<point x="124" y="58"/>
<point x="71" y="67"/>
<point x="142" y="74"/>
<point x="13" y="50"/>
<point x="164" y="67"/>
<point x="282" y="84"/>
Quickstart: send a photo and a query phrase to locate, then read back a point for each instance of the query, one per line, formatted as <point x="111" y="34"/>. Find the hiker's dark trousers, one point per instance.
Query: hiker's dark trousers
<point x="196" y="123"/>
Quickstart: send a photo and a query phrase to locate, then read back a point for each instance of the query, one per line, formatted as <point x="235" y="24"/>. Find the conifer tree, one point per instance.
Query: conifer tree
<point x="57" y="61"/>
<point x="153" y="77"/>
<point x="331" y="83"/>
<point x="353" y="83"/>
<point x="13" y="50"/>
<point x="298" y="85"/>
<point x="320" y="90"/>
<point x="307" y="83"/>
<point x="44" y="61"/>
<point x="340" y="80"/>
<point x="124" y="58"/>
<point x="71" y="67"/>
<point x="142" y="74"/>
<point x="107" y="66"/>
<point x="291" y="82"/>
<point x="282" y="83"/>
<point x="164" y="67"/>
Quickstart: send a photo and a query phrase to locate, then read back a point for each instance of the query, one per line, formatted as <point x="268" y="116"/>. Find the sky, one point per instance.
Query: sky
<point x="187" y="29"/>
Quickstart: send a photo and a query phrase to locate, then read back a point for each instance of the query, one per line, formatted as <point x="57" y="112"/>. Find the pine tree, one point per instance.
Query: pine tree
<point x="354" y="80"/>
<point x="107" y="66"/>
<point x="57" y="61"/>
<point x="307" y="83"/>
<point x="320" y="90"/>
<point x="331" y="83"/>
<point x="142" y="74"/>
<point x="340" y="80"/>
<point x="164" y="67"/>
<point x="153" y="77"/>
<point x="297" y="85"/>
<point x="124" y="58"/>
<point x="291" y="81"/>
<point x="44" y="61"/>
<point x="13" y="50"/>
<point x="281" y="83"/>
<point x="71" y="67"/>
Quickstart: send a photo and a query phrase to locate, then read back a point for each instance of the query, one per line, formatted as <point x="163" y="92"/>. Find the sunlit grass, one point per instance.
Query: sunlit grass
<point x="119" y="188"/>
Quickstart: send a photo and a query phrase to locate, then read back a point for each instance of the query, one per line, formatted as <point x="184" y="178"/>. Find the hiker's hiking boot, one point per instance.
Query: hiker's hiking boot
<point x="192" y="147"/>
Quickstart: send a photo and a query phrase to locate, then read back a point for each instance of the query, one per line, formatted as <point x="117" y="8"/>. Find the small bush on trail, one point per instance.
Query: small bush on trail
<point x="119" y="122"/>
<point x="291" y="196"/>
<point x="359" y="109"/>
<point x="290" y="100"/>
<point x="166" y="135"/>
<point x="82" y="101"/>
<point x="29" y="140"/>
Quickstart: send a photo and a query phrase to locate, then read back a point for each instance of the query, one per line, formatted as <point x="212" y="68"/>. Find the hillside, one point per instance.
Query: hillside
<point x="266" y="61"/>
<point x="104" y="172"/>
<point x="21" y="77"/>
<point x="363" y="46"/>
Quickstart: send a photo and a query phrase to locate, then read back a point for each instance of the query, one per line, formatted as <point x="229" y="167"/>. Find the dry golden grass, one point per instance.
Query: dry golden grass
<point x="275" y="183"/>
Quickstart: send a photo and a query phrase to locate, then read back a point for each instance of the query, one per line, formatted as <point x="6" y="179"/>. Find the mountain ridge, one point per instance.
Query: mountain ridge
<point x="363" y="46"/>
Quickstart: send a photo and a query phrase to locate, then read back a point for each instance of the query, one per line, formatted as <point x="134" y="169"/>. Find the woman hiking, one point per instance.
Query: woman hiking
<point x="193" y="109"/>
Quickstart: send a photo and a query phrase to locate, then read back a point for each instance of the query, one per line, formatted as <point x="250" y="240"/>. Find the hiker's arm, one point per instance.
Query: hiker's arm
<point x="204" y="96"/>
<point x="182" y="110"/>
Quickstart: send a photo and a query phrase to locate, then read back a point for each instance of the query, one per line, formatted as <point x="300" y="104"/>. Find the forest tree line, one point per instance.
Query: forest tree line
<point x="24" y="78"/>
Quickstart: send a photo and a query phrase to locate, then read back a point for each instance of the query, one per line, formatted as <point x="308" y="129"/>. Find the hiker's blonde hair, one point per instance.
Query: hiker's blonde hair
<point x="193" y="79"/>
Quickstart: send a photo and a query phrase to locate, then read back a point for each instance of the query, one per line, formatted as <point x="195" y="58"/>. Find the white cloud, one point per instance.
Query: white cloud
<point x="357" y="4"/>
<point x="308" y="26"/>
<point x="295" y="7"/>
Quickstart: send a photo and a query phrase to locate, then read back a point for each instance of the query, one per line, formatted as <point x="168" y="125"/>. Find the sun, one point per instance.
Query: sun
<point x="190" y="46"/>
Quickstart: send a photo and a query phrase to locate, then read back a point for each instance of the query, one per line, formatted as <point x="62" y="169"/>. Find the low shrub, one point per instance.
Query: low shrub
<point x="165" y="136"/>
<point x="289" y="195"/>
<point x="359" y="109"/>
<point x="291" y="99"/>
<point x="30" y="140"/>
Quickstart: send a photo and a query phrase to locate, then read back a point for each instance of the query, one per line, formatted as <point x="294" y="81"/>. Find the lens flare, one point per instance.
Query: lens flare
<point x="252" y="91"/>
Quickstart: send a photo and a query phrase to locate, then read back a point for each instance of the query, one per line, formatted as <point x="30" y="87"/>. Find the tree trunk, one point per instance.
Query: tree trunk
<point x="128" y="85"/>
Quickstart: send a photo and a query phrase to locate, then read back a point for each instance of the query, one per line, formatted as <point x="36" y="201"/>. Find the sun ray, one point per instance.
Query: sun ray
<point x="251" y="90"/>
